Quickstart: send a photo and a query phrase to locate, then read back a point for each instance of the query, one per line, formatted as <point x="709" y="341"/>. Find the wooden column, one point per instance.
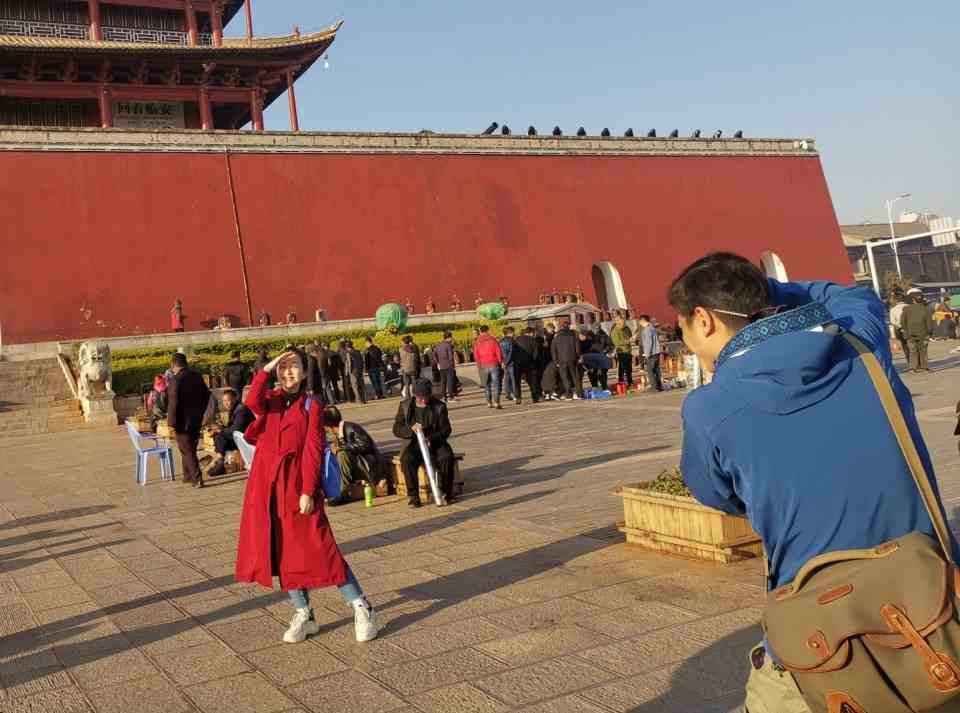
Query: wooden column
<point x="216" y="22"/>
<point x="256" y="109"/>
<point x="206" y="111"/>
<point x="93" y="7"/>
<point x="292" y="96"/>
<point x="191" y="22"/>
<point x="106" y="109"/>
<point x="249" y="8"/>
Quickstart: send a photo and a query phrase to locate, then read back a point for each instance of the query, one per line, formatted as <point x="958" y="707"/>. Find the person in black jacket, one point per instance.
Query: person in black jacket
<point x="373" y="362"/>
<point x="187" y="400"/>
<point x="316" y="381"/>
<point x="357" y="453"/>
<point x="566" y="355"/>
<point x="238" y="418"/>
<point x="236" y="373"/>
<point x="335" y="372"/>
<point x="526" y="356"/>
<point x="353" y="363"/>
<point x="425" y="413"/>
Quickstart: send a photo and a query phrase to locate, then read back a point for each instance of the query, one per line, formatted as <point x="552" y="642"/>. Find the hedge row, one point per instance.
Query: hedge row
<point x="134" y="367"/>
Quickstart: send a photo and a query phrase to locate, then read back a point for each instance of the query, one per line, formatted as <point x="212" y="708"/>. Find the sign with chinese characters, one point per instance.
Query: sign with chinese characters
<point x="148" y="115"/>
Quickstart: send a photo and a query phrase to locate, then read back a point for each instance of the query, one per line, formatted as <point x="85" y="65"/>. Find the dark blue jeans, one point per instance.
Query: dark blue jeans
<point x="376" y="381"/>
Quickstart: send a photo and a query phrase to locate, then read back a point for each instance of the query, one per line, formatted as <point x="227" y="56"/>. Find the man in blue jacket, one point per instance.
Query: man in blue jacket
<point x="791" y="431"/>
<point x="506" y="349"/>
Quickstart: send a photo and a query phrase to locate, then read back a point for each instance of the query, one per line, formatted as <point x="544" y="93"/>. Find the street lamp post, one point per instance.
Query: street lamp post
<point x="893" y="235"/>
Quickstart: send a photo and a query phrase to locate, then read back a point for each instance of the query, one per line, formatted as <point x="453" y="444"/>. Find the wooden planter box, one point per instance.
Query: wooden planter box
<point x="680" y="525"/>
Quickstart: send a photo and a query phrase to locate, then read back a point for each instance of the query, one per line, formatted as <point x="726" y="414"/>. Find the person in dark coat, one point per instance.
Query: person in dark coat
<point x="445" y="360"/>
<point x="335" y="372"/>
<point x="316" y="383"/>
<point x="187" y="401"/>
<point x="917" y="325"/>
<point x="526" y="360"/>
<point x="423" y="412"/>
<point x="566" y="355"/>
<point x="356" y="452"/>
<point x="236" y="373"/>
<point x="239" y="417"/>
<point x="262" y="360"/>
<point x="373" y="363"/>
<point x="284" y="531"/>
<point x="353" y="363"/>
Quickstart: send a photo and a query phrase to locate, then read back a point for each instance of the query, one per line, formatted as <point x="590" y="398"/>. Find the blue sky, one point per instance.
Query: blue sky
<point x="874" y="83"/>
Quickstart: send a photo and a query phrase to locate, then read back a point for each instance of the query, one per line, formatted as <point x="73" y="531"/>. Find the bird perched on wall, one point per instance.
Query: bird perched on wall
<point x="557" y="131"/>
<point x="652" y="134"/>
<point x="718" y="134"/>
<point x="505" y="130"/>
<point x="738" y="135"/>
<point x="628" y="133"/>
<point x="581" y="131"/>
<point x="605" y="133"/>
<point x="532" y="131"/>
<point x="696" y="134"/>
<point x="675" y="133"/>
<point x="490" y="129"/>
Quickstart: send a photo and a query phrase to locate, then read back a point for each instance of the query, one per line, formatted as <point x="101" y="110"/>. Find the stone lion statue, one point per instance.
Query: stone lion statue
<point x="96" y="377"/>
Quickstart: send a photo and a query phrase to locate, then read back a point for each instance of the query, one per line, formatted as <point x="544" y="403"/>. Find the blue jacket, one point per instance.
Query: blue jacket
<point x="649" y="340"/>
<point x="791" y="433"/>
<point x="506" y="349"/>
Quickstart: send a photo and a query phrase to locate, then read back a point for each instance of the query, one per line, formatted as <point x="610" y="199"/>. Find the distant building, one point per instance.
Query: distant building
<point x="921" y="260"/>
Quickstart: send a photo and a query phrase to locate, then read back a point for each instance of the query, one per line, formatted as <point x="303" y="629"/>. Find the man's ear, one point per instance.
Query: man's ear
<point x="706" y="320"/>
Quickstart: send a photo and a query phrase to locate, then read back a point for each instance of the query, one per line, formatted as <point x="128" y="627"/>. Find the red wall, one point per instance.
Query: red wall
<point x="102" y="243"/>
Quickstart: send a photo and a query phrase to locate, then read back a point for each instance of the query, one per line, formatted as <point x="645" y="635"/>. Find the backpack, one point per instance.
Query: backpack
<point x="876" y="630"/>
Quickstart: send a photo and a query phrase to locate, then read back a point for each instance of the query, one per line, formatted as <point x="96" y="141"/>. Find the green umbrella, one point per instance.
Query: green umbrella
<point x="492" y="311"/>
<point x="391" y="316"/>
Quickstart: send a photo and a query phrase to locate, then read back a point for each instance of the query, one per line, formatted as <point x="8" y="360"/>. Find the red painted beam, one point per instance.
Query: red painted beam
<point x="72" y="90"/>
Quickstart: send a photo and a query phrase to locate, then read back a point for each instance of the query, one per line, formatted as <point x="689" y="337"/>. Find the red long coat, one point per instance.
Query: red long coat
<point x="275" y="539"/>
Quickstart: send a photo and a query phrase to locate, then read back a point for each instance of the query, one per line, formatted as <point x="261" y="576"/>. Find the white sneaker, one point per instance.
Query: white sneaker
<point x="364" y="621"/>
<point x="577" y="398"/>
<point x="301" y="626"/>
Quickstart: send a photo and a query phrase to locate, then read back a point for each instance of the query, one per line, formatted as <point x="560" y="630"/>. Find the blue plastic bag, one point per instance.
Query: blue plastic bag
<point x="331" y="475"/>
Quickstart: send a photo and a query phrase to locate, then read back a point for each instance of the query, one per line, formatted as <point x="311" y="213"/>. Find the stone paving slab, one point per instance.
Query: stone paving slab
<point x="523" y="596"/>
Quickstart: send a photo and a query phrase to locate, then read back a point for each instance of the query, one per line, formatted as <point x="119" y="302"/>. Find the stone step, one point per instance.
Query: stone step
<point x="26" y="414"/>
<point x="36" y="402"/>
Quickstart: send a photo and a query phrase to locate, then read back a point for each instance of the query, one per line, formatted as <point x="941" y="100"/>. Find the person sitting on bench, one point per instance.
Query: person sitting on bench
<point x="239" y="417"/>
<point x="425" y="413"/>
<point x="357" y="453"/>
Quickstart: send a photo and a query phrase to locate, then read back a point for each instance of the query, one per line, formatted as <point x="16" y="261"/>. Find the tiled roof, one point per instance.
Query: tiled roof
<point x="854" y="235"/>
<point x="230" y="44"/>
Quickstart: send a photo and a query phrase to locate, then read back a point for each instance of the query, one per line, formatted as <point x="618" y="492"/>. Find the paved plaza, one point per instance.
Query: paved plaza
<point x="522" y="596"/>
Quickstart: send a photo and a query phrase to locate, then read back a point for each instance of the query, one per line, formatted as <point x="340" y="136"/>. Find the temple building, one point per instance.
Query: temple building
<point x="152" y="64"/>
<point x="107" y="114"/>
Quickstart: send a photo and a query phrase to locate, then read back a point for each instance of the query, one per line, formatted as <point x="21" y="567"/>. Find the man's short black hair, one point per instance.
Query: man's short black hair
<point x="643" y="318"/>
<point x="231" y="392"/>
<point x="407" y="339"/>
<point x="369" y="340"/>
<point x="529" y="330"/>
<point x="332" y="417"/>
<point x="179" y="359"/>
<point x="235" y="355"/>
<point x="447" y="335"/>
<point x="484" y="329"/>
<point x="720" y="281"/>
<point x="508" y="330"/>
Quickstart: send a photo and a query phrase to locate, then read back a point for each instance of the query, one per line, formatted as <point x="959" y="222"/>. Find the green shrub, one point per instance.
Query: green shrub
<point x="671" y="482"/>
<point x="133" y="367"/>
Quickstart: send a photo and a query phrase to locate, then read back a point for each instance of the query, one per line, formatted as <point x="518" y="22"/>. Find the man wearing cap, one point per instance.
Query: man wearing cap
<point x="917" y="325"/>
<point x="424" y="413"/>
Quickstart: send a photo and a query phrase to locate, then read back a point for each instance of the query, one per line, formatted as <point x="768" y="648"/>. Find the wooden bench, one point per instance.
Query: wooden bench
<point x="394" y="473"/>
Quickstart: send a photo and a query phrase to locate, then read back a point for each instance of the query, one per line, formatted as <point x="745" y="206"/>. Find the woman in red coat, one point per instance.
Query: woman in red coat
<point x="283" y="529"/>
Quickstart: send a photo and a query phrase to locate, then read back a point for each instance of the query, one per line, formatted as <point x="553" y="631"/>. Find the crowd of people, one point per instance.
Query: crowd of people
<point x="914" y="322"/>
<point x="788" y="362"/>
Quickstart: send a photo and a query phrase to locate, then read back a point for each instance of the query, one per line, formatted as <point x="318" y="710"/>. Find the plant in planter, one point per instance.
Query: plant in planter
<point x="662" y="515"/>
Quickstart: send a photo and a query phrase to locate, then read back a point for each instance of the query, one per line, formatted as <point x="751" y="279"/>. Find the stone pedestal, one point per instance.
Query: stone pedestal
<point x="99" y="410"/>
